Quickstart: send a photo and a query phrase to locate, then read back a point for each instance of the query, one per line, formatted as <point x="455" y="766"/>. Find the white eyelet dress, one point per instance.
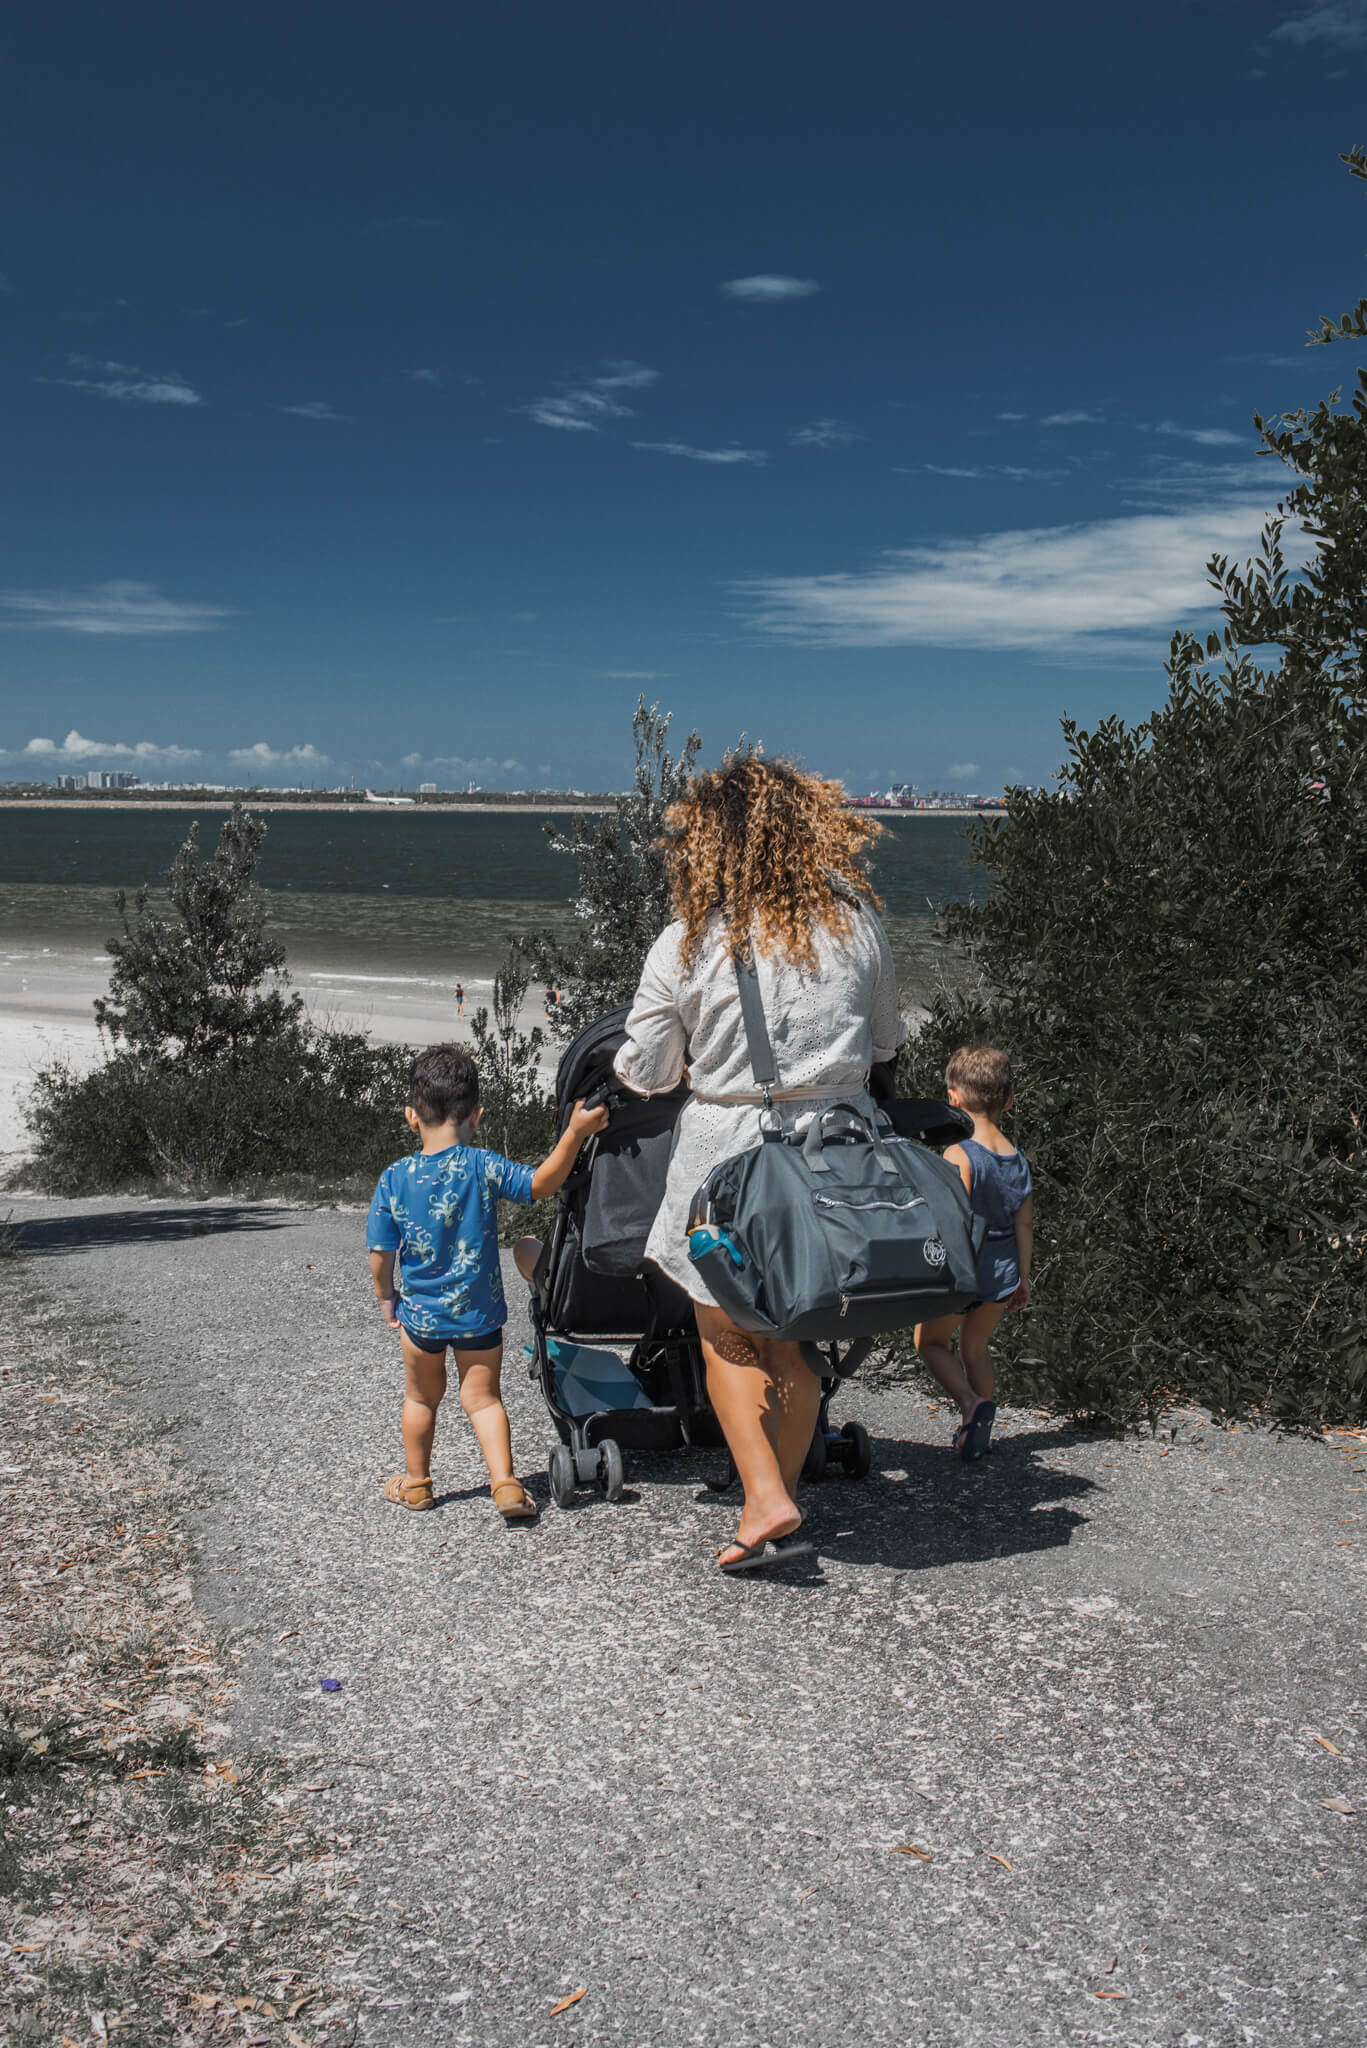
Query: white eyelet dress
<point x="826" y="1026"/>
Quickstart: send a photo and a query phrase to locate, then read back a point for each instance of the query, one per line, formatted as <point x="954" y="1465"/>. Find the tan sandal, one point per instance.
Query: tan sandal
<point x="513" y="1501"/>
<point x="409" y="1493"/>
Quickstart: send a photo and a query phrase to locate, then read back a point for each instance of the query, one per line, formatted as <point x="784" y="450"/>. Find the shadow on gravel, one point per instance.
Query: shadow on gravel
<point x="919" y="1508"/>
<point x="49" y="1237"/>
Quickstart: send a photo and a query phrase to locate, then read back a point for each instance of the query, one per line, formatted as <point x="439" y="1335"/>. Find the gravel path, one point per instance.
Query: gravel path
<point x="1083" y="1681"/>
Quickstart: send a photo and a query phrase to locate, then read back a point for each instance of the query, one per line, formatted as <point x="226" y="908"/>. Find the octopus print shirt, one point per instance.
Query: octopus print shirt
<point x="439" y="1212"/>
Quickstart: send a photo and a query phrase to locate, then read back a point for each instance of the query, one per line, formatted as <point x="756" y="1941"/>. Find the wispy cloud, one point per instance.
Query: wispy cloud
<point x="423" y="376"/>
<point x="1276" y="362"/>
<point x="1014" y="472"/>
<point x="583" y="408"/>
<point x="1169" y="480"/>
<point x="1075" y="417"/>
<point x="824" y="434"/>
<point x="313" y="409"/>
<point x="460" y="764"/>
<point x="725" y="456"/>
<point x="127" y="383"/>
<point x="767" y="288"/>
<point x="120" y="607"/>
<point x="1206" y="437"/>
<point x="631" y="675"/>
<point x="263" y="756"/>
<point x="964" y="767"/>
<point x="1340" y="23"/>
<point x="1012" y="415"/>
<point x="1113" y="586"/>
<point x="76" y="747"/>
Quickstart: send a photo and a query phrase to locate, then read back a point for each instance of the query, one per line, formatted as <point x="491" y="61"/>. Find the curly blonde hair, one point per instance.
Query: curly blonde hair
<point x="770" y="848"/>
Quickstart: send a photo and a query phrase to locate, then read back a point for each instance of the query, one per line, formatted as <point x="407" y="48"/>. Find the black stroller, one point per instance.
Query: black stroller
<point x="594" y="1297"/>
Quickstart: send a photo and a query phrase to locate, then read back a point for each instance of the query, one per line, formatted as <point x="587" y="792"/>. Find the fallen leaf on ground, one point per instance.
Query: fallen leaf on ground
<point x="1110" y="1966"/>
<point x="1339" y="1806"/>
<point x="995" y="1858"/>
<point x="1326" y="1745"/>
<point x="294" y="2010"/>
<point x="910" y="1849"/>
<point x="1108" y="1994"/>
<point x="566" y="2003"/>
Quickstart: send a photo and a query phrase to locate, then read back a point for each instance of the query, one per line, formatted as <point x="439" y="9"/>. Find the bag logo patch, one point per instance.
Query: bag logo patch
<point x="934" y="1251"/>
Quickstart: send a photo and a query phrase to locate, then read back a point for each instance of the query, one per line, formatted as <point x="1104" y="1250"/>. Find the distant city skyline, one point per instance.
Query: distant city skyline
<point x="401" y="403"/>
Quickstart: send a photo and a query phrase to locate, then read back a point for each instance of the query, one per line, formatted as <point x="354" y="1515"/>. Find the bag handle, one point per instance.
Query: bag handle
<point x="814" y="1141"/>
<point x="762" y="1063"/>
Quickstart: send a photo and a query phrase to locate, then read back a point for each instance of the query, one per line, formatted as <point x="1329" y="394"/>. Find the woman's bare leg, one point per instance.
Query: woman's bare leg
<point x="766" y="1400"/>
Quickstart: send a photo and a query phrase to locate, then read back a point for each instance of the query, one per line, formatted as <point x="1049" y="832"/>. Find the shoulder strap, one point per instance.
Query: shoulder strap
<point x="762" y="1062"/>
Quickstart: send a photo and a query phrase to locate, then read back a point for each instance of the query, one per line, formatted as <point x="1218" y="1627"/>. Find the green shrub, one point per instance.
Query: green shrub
<point x="1172" y="954"/>
<point x="323" y="1107"/>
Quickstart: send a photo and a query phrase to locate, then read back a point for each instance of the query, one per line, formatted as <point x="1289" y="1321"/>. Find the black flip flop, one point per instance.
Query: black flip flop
<point x="973" y="1439"/>
<point x="774" y="1550"/>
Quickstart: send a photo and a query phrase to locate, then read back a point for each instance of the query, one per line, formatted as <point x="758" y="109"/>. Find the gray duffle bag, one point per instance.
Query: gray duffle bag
<point x="840" y="1232"/>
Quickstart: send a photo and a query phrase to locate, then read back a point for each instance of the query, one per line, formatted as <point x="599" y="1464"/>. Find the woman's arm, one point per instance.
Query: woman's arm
<point x="652" y="1060"/>
<point x="889" y="1026"/>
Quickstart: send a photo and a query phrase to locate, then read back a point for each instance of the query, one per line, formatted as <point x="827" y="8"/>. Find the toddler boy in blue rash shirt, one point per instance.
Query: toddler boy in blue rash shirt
<point x="996" y="1179"/>
<point x="438" y="1210"/>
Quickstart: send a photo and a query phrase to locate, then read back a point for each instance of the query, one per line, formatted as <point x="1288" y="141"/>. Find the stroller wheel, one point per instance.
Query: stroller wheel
<point x="814" y="1464"/>
<point x="612" y="1471"/>
<point x="560" y="1467"/>
<point x="859" y="1451"/>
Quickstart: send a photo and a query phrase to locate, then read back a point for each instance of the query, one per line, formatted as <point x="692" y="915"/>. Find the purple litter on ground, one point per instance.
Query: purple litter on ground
<point x="330" y="1685"/>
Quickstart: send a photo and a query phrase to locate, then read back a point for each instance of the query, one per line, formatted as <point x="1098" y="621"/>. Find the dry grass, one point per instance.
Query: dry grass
<point x="152" y="1888"/>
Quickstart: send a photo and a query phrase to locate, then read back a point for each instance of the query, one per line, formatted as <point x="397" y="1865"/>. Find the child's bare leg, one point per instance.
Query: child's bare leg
<point x="424" y="1386"/>
<point x="482" y="1401"/>
<point x="526" y="1252"/>
<point x="974" y="1338"/>
<point x="932" y="1345"/>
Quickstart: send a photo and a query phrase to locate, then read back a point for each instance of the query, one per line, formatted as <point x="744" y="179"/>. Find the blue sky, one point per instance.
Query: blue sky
<point x="401" y="391"/>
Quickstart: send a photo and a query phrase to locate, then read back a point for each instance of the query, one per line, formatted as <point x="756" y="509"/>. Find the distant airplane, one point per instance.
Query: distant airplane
<point x="371" y="798"/>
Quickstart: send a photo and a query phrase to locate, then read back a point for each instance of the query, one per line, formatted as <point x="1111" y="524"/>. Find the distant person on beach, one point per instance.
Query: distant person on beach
<point x="997" y="1180"/>
<point x="438" y="1210"/>
<point x="459" y="999"/>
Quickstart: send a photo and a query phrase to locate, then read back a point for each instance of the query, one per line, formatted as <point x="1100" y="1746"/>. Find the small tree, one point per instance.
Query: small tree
<point x="1172" y="953"/>
<point x="623" y="900"/>
<point x="188" y="986"/>
<point x="516" y="1108"/>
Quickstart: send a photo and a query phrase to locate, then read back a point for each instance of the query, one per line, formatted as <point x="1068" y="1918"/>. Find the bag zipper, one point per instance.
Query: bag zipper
<point x="889" y="1294"/>
<point x="830" y="1202"/>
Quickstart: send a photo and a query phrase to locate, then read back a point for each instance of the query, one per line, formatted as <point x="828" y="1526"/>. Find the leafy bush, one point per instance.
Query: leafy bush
<point x="325" y="1107"/>
<point x="190" y="985"/>
<point x="215" y="1077"/>
<point x="1172" y="953"/>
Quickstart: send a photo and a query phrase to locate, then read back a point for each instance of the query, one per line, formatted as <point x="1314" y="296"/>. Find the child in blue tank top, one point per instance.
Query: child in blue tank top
<point x="997" y="1180"/>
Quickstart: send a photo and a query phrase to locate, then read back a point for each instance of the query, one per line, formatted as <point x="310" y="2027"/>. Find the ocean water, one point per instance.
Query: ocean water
<point x="428" y="895"/>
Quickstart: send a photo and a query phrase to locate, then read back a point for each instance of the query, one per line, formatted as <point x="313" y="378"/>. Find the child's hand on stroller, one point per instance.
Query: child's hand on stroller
<point x="584" y="1122"/>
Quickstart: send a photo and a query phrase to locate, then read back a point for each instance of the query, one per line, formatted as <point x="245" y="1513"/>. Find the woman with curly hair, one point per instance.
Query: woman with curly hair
<point x="766" y="862"/>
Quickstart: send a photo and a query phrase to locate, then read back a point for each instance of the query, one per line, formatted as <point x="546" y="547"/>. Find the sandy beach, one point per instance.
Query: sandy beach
<point x="46" y="1014"/>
